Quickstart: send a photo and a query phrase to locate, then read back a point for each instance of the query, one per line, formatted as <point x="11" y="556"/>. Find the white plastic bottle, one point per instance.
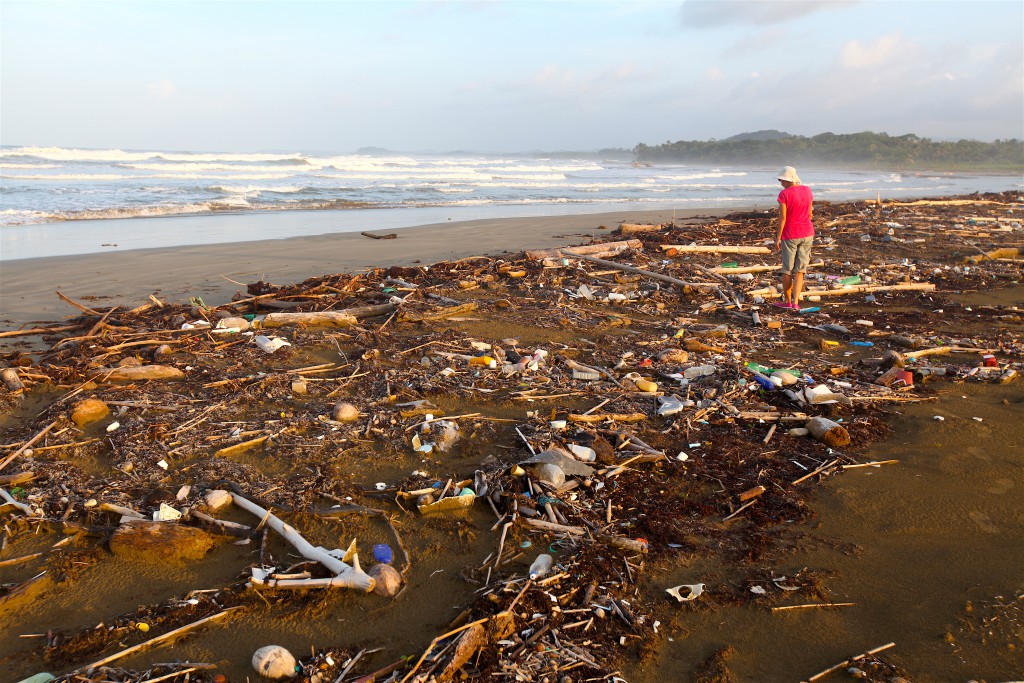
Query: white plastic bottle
<point x="541" y="566"/>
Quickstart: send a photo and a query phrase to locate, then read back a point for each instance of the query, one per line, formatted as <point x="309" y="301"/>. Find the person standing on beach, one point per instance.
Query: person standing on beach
<point x="795" y="235"/>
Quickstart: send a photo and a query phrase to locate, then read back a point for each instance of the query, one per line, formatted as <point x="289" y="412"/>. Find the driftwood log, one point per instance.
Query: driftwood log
<point x="633" y="228"/>
<point x="596" y="250"/>
<point x="138" y="373"/>
<point x="345" y="575"/>
<point x="852" y="289"/>
<point x="344" y="318"/>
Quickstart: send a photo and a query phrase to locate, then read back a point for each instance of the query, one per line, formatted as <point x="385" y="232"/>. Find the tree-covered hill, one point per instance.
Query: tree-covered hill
<point x="858" y="150"/>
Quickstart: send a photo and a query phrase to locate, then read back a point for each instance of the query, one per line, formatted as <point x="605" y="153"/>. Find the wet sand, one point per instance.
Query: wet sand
<point x="924" y="548"/>
<point x="216" y="271"/>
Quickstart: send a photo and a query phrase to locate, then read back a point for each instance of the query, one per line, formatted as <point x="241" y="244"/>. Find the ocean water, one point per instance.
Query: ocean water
<point x="53" y="200"/>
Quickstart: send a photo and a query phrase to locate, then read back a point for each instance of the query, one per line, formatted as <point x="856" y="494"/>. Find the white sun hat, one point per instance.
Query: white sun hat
<point x="788" y="173"/>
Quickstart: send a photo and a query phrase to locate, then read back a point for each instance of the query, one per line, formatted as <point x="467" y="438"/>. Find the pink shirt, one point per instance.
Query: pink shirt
<point x="797" y="199"/>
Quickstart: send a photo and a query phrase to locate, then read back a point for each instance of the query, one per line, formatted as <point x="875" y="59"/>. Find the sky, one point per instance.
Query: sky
<point x="503" y="76"/>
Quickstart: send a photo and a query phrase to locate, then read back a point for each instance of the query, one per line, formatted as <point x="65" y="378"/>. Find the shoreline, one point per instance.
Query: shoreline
<point x="217" y="271"/>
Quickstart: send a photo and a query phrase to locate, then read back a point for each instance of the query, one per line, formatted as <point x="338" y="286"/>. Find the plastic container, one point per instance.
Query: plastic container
<point x="541" y="566"/>
<point x="485" y="361"/>
<point x="646" y="385"/>
<point x="699" y="371"/>
<point x="586" y="375"/>
<point x="764" y="382"/>
<point x="583" y="452"/>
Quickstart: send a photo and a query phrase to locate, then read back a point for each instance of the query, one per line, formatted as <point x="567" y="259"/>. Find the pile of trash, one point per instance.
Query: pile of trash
<point x="585" y="411"/>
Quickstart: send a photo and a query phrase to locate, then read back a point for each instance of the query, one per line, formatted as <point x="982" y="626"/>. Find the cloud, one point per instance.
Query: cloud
<point x="884" y="49"/>
<point x="713" y="74"/>
<point x="162" y="89"/>
<point x="719" y="13"/>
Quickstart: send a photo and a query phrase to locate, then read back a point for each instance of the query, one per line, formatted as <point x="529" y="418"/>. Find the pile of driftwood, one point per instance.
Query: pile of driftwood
<point x="623" y="403"/>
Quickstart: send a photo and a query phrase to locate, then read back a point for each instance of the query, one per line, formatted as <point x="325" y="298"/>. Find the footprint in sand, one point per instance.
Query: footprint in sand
<point x="1000" y="486"/>
<point x="984" y="522"/>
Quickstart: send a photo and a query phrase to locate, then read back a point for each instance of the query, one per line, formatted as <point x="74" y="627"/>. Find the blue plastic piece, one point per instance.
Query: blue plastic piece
<point x="764" y="382"/>
<point x="862" y="343"/>
<point x="382" y="553"/>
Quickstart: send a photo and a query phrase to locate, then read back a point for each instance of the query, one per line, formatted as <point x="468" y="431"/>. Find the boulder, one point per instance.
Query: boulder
<point x="89" y="410"/>
<point x="160" y="542"/>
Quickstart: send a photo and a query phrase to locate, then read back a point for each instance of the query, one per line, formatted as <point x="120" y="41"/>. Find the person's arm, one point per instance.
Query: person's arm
<point x="782" y="226"/>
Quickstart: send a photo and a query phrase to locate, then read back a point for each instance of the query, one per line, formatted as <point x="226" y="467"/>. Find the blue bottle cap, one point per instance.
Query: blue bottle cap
<point x="382" y="553"/>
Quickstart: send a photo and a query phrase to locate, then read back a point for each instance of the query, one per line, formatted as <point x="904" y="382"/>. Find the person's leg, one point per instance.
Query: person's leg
<point x="798" y="287"/>
<point x="788" y="254"/>
<point x="801" y="259"/>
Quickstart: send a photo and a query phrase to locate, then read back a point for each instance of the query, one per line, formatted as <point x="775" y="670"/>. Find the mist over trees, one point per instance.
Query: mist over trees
<point x="855" y="150"/>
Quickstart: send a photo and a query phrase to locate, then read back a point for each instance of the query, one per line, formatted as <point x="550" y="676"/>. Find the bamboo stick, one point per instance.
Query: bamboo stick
<point x="843" y="663"/>
<point x="6" y="461"/>
<point x="713" y="249"/>
<point x="813" y="605"/>
<point x="639" y="271"/>
<point x="159" y="639"/>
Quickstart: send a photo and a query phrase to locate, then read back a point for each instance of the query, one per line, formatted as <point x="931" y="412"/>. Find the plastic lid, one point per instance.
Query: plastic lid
<point x="382" y="553"/>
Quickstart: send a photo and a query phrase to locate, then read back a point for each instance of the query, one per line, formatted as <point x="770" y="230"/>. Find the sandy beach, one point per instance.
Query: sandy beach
<point x="217" y="271"/>
<point x="924" y="551"/>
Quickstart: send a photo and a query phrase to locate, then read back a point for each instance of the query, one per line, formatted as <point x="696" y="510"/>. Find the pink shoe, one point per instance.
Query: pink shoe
<point x="782" y="304"/>
<point x="795" y="306"/>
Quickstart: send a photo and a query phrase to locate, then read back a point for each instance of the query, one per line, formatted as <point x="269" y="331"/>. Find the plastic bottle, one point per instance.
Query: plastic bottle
<point x="541" y="566"/>
<point x="646" y="385"/>
<point x="486" y="361"/>
<point x="699" y="371"/>
<point x="757" y="367"/>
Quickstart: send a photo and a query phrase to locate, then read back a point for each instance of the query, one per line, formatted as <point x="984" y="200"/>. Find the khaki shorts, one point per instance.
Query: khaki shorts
<point x="796" y="254"/>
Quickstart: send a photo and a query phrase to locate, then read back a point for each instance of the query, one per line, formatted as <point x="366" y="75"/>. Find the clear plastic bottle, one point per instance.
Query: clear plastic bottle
<point x="699" y="371"/>
<point x="541" y="566"/>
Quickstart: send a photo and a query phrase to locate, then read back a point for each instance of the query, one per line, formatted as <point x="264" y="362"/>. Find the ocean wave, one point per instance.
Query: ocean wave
<point x="70" y="176"/>
<point x="62" y="154"/>
<point x="530" y="176"/>
<point x="257" y="189"/>
<point x="197" y="157"/>
<point x="5" y="164"/>
<point x="196" y="167"/>
<point x="702" y="176"/>
<point x="22" y="217"/>
<point x="433" y="175"/>
<point x="118" y="155"/>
